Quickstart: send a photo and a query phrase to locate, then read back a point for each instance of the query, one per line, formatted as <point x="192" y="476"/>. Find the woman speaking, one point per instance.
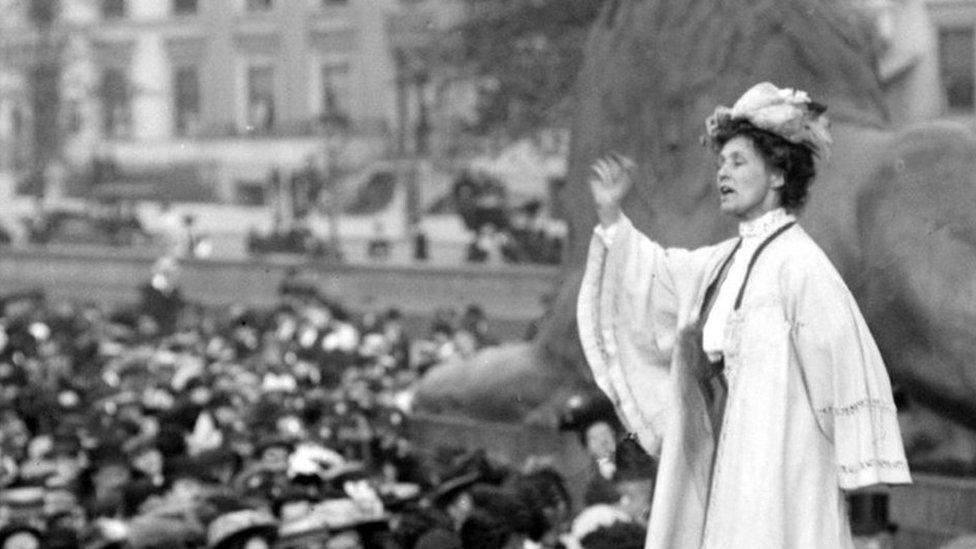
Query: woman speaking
<point x="746" y="366"/>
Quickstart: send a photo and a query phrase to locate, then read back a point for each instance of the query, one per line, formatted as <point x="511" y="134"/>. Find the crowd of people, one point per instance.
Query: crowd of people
<point x="167" y="424"/>
<point x="500" y="232"/>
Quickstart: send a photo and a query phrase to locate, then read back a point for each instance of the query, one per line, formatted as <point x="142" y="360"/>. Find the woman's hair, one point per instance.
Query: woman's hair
<point x="794" y="161"/>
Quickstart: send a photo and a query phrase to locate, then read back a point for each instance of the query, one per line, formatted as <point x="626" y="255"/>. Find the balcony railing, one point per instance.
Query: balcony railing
<point x="283" y="129"/>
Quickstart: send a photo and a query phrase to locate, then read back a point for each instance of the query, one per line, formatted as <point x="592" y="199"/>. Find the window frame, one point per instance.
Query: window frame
<point x="244" y="67"/>
<point x="107" y="9"/>
<point x="184" y="11"/>
<point x="948" y="15"/>
<point x="180" y="123"/>
<point x="947" y="82"/>
<point x="253" y="6"/>
<point x="110" y="126"/>
<point x="316" y="93"/>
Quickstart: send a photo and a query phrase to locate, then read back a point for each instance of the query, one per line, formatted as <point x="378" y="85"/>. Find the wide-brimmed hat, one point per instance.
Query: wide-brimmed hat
<point x="158" y="531"/>
<point x="330" y="516"/>
<point x="24" y="502"/>
<point x="447" y="490"/>
<point x="12" y="530"/>
<point x="240" y="523"/>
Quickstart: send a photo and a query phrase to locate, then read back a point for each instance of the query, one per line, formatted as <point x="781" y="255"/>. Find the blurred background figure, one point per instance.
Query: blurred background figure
<point x="161" y="298"/>
<point x="378" y="247"/>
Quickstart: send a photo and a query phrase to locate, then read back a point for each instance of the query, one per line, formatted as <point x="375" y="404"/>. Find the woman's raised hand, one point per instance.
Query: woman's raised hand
<point x="610" y="179"/>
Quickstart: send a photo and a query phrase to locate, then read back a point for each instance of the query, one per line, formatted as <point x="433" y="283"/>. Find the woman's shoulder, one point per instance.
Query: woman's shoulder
<point x="801" y="258"/>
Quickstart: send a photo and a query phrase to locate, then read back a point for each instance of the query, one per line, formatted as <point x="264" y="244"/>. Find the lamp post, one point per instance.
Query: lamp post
<point x="334" y="128"/>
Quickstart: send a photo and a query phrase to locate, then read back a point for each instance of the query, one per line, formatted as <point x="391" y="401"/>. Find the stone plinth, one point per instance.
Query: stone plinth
<point x="933" y="510"/>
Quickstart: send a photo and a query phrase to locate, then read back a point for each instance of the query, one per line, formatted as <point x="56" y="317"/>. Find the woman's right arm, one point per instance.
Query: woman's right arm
<point x="611" y="178"/>
<point x="628" y="308"/>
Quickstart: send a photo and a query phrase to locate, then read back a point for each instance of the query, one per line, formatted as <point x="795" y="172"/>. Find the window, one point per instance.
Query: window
<point x="113" y="9"/>
<point x="19" y="152"/>
<point x="957" y="64"/>
<point x="73" y="116"/>
<point x="335" y="88"/>
<point x="260" y="99"/>
<point x="116" y="111"/>
<point x="259" y="5"/>
<point x="186" y="96"/>
<point x="184" y="7"/>
<point x="251" y="193"/>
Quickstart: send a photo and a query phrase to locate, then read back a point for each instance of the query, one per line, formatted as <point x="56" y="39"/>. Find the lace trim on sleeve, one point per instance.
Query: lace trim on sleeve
<point x="867" y="403"/>
<point x="876" y="463"/>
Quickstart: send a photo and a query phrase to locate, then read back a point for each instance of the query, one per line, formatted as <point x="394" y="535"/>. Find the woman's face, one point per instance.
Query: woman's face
<point x="747" y="187"/>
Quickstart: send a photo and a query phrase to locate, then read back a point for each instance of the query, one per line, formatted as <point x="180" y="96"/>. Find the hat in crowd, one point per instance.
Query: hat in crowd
<point x="342" y="473"/>
<point x="275" y="440"/>
<point x="8" y="470"/>
<point x="330" y="516"/>
<point x="153" y="532"/>
<point x="23" y="502"/>
<point x="595" y="517"/>
<point x="632" y="462"/>
<point x="446" y="491"/>
<point x="37" y="471"/>
<point x="396" y="495"/>
<point x="582" y="411"/>
<point x="20" y="536"/>
<point x="465" y="470"/>
<point x="229" y="527"/>
<point x="313" y="459"/>
<point x="260" y="480"/>
<point x="58" y="501"/>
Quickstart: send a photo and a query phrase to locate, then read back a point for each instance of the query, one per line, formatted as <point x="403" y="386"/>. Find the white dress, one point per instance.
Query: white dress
<point x="809" y="410"/>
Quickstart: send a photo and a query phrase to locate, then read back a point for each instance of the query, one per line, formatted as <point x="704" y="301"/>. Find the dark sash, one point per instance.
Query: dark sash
<point x="713" y="383"/>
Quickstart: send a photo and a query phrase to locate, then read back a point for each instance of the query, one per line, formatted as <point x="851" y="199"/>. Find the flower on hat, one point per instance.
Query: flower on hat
<point x="786" y="112"/>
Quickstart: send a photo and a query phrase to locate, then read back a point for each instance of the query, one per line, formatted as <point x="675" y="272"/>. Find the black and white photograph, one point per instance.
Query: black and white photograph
<point x="487" y="274"/>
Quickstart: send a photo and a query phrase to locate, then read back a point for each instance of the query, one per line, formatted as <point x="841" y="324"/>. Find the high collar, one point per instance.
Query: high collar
<point x="766" y="224"/>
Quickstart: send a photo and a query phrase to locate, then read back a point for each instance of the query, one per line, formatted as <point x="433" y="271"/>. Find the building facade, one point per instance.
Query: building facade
<point x="238" y="83"/>
<point x="928" y="62"/>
